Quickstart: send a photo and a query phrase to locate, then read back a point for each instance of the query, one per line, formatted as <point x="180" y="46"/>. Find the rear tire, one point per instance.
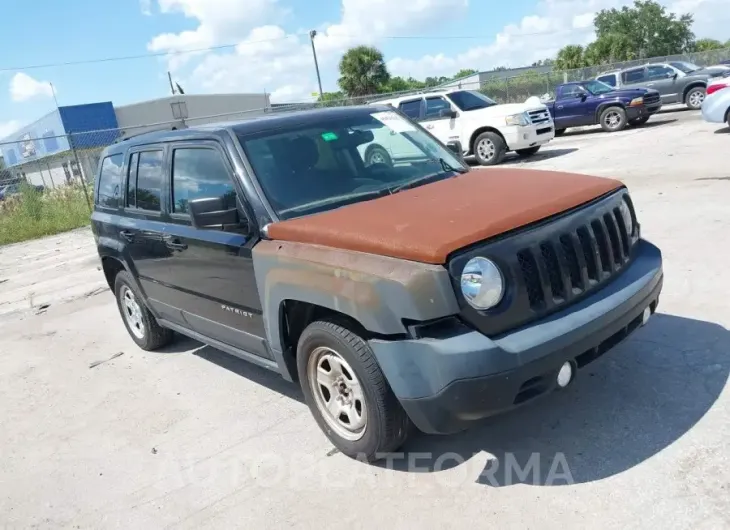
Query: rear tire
<point x="140" y="323"/>
<point x="530" y="151"/>
<point x="613" y="119"/>
<point x="489" y="148"/>
<point x="347" y="392"/>
<point x="695" y="98"/>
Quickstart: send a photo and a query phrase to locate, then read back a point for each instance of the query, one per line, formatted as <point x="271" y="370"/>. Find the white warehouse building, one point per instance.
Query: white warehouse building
<point x="64" y="145"/>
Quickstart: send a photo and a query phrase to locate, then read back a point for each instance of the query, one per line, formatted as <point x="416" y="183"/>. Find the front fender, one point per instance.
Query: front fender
<point x="379" y="292"/>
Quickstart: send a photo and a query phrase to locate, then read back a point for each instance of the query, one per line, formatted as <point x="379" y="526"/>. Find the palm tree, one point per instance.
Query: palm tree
<point x="362" y="71"/>
<point x="570" y="58"/>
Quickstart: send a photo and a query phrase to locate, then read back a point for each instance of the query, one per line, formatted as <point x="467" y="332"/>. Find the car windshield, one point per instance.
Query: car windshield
<point x="341" y="159"/>
<point x="597" y="87"/>
<point x="470" y="100"/>
<point x="685" y="67"/>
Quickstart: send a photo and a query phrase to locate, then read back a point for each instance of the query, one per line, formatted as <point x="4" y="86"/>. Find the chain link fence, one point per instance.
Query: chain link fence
<point x="46" y="185"/>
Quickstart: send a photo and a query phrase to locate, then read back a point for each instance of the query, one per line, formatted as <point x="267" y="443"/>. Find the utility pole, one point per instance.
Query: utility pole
<point x="313" y="34"/>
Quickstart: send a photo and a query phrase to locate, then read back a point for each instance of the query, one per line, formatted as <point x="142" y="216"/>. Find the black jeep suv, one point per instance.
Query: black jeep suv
<point x="415" y="291"/>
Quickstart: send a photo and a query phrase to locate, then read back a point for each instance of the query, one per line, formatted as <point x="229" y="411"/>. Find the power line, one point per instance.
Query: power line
<point x="244" y="43"/>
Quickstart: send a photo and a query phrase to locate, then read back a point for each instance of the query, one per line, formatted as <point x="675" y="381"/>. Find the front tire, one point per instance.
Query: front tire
<point x="530" y="151"/>
<point x="613" y="119"/>
<point x="489" y="148"/>
<point x="695" y="98"/>
<point x="377" y="154"/>
<point x="140" y="323"/>
<point x="347" y="392"/>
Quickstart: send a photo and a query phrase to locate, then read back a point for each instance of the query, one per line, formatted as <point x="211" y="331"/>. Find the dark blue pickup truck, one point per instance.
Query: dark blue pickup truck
<point x="595" y="103"/>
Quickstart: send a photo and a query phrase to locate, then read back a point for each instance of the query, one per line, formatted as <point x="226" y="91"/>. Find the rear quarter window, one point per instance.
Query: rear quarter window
<point x="110" y="181"/>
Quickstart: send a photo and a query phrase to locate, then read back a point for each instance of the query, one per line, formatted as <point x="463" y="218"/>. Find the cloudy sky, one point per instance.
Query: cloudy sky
<point x="263" y="45"/>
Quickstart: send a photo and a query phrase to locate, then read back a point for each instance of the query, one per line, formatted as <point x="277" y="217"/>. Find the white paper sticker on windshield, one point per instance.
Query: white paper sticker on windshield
<point x="394" y="122"/>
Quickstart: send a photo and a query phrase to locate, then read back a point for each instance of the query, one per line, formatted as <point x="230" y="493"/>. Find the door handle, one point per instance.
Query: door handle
<point x="429" y="126"/>
<point x="560" y="106"/>
<point x="126" y="234"/>
<point x="174" y="243"/>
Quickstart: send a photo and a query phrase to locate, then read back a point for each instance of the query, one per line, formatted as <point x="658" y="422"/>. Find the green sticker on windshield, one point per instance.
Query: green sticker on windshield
<point x="329" y="137"/>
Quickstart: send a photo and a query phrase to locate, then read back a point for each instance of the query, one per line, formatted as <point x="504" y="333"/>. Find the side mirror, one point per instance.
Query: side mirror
<point x="447" y="113"/>
<point x="213" y="213"/>
<point x="455" y="147"/>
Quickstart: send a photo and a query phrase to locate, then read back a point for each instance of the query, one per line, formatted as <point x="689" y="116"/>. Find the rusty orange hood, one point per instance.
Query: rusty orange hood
<point x="427" y="223"/>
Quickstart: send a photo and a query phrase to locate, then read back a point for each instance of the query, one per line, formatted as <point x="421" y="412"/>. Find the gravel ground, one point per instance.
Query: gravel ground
<point x="95" y="433"/>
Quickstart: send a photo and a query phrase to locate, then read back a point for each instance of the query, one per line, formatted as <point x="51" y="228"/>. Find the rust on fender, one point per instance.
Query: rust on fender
<point x="429" y="222"/>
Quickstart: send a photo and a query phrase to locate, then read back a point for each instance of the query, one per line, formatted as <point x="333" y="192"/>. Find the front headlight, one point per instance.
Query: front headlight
<point x="636" y="102"/>
<point x="520" y="119"/>
<point x="482" y="283"/>
<point x="627" y="217"/>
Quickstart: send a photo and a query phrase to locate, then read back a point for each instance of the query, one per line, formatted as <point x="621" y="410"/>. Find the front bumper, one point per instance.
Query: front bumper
<point x="524" y="137"/>
<point x="446" y="384"/>
<point x="640" y="111"/>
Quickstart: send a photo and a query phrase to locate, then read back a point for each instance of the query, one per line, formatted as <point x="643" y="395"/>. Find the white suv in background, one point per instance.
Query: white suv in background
<point x="484" y="128"/>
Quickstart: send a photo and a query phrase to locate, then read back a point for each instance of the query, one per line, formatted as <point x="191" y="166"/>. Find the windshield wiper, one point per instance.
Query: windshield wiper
<point x="447" y="167"/>
<point x="413" y="183"/>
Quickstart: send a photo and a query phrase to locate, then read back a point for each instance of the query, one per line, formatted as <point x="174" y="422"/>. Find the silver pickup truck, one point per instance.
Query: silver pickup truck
<point x="676" y="82"/>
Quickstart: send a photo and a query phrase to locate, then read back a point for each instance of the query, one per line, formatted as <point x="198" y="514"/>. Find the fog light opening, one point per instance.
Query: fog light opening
<point x="565" y="375"/>
<point x="645" y="316"/>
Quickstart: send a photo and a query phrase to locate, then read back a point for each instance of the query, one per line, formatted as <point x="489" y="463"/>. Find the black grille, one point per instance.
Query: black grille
<point x="565" y="265"/>
<point x="552" y="264"/>
<point x="652" y="98"/>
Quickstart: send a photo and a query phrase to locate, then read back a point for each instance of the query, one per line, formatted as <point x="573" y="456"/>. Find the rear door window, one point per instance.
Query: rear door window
<point x="144" y="183"/>
<point x="637" y="75"/>
<point x="110" y="181"/>
<point x="412" y="108"/>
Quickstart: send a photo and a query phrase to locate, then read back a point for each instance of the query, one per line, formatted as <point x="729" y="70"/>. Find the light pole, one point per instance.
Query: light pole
<point x="313" y="34"/>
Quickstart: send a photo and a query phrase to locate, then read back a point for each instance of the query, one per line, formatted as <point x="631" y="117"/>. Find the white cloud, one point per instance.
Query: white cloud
<point x="554" y="25"/>
<point x="9" y="127"/>
<point x="23" y="87"/>
<point x="268" y="58"/>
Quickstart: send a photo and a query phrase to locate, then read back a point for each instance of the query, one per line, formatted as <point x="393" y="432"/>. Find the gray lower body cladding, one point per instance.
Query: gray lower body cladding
<point x="446" y="384"/>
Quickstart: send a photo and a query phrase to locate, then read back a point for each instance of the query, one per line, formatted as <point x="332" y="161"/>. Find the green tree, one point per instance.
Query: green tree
<point x="464" y="72"/>
<point x="649" y="29"/>
<point x="706" y="45"/>
<point x="570" y="57"/>
<point x="609" y="48"/>
<point x="363" y="71"/>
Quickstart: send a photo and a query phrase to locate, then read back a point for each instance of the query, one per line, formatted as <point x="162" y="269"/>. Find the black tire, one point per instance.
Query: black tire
<point x="560" y="132"/>
<point x="530" y="151"/>
<point x="377" y="154"/>
<point x="498" y="152"/>
<point x="639" y="121"/>
<point x="695" y="97"/>
<point x="154" y="336"/>
<point x="607" y="121"/>
<point x="387" y="424"/>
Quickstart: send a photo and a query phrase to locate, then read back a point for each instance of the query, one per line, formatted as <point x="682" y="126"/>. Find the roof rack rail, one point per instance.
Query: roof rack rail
<point x="173" y="128"/>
